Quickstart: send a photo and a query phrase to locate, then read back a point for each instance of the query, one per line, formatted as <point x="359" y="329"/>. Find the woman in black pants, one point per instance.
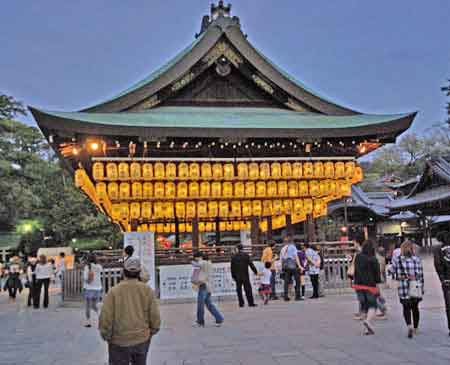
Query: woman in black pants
<point x="409" y="270"/>
<point x="44" y="273"/>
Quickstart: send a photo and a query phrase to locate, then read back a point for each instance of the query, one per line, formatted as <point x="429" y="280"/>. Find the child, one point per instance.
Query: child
<point x="265" y="288"/>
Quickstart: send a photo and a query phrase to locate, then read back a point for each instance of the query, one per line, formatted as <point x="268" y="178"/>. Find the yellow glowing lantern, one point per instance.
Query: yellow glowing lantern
<point x="223" y="226"/>
<point x="98" y="171"/>
<point x="227" y="189"/>
<point x="170" y="190"/>
<point x="209" y="227"/>
<point x="277" y="207"/>
<point x="113" y="191"/>
<point x="190" y="210"/>
<point x="272" y="188"/>
<point x="194" y="190"/>
<point x="135" y="211"/>
<point x="303" y="188"/>
<point x="308" y="206"/>
<point x="146" y="210"/>
<point x="201" y="227"/>
<point x="331" y="184"/>
<point x="239" y="190"/>
<point x="297" y="170"/>
<point x="180" y="209"/>
<point x="206" y="170"/>
<point x="236" y="226"/>
<point x="257" y="208"/>
<point x="136" y="190"/>
<point x="314" y="188"/>
<point x="160" y="228"/>
<point x="349" y="169"/>
<point x="250" y="190"/>
<point x="194" y="170"/>
<point x="286" y="170"/>
<point x="287" y="206"/>
<point x="171" y="171"/>
<point x="229" y="226"/>
<point x="253" y="172"/>
<point x="344" y="188"/>
<point x="293" y="189"/>
<point x="124" y="172"/>
<point x="152" y="228"/>
<point x="147" y="190"/>
<point x="159" y="190"/>
<point x="318" y="170"/>
<point x="124" y="191"/>
<point x="264" y="171"/>
<point x="213" y="209"/>
<point x="217" y="171"/>
<point x="275" y="170"/>
<point x="115" y="212"/>
<point x="246" y="208"/>
<point x="202" y="209"/>
<point x="183" y="170"/>
<point x="267" y="208"/>
<point x="101" y="190"/>
<point x="260" y="189"/>
<point x="242" y="171"/>
<point x="205" y="189"/>
<point x="124" y="211"/>
<point x="182" y="190"/>
<point x="216" y="189"/>
<point x="308" y="170"/>
<point x="111" y="171"/>
<point x="135" y="171"/>
<point x="323" y="188"/>
<point x="158" y="210"/>
<point x="328" y="168"/>
<point x="169" y="211"/>
<point x="159" y="171"/>
<point x="358" y="175"/>
<point x="339" y="170"/>
<point x="263" y="226"/>
<point x="282" y="188"/>
<point x="235" y="209"/>
<point x="297" y="206"/>
<point x="223" y="209"/>
<point x="147" y="171"/>
<point x="228" y="171"/>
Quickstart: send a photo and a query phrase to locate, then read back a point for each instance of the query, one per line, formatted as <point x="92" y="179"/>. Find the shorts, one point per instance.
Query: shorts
<point x="366" y="300"/>
<point x="265" y="289"/>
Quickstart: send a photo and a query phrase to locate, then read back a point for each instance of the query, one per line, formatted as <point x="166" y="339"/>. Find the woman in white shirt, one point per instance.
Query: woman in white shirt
<point x="92" y="285"/>
<point x="44" y="273"/>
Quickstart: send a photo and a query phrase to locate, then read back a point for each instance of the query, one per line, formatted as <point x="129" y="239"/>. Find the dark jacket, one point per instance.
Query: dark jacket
<point x="367" y="270"/>
<point x="239" y="266"/>
<point x="442" y="262"/>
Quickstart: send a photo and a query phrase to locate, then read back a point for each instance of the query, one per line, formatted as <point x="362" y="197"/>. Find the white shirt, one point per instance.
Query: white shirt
<point x="266" y="275"/>
<point x="61" y="266"/>
<point x="96" y="284"/>
<point x="44" y="271"/>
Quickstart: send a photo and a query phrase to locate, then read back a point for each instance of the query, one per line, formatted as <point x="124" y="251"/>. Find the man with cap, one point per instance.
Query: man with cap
<point x="129" y="317"/>
<point x="240" y="263"/>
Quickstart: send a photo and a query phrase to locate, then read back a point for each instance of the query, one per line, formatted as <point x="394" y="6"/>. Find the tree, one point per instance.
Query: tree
<point x="9" y="107"/>
<point x="446" y="90"/>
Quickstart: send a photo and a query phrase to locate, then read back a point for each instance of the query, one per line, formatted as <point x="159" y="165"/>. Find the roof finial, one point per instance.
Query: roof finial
<point x="220" y="10"/>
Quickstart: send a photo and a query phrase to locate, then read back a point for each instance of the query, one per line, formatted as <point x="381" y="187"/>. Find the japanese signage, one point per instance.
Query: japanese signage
<point x="144" y="247"/>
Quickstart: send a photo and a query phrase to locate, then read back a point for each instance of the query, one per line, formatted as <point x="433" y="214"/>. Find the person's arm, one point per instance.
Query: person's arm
<point x="154" y="318"/>
<point x="105" y="321"/>
<point x="252" y="265"/>
<point x="438" y="264"/>
<point x="377" y="272"/>
<point x="233" y="269"/>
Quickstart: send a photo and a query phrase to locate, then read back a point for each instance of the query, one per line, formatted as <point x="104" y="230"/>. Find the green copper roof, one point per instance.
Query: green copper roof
<point x="222" y="117"/>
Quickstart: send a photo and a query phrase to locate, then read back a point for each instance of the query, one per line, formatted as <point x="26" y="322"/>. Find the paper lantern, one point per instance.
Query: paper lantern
<point x="278" y="222"/>
<point x="205" y="189"/>
<point x="287" y="206"/>
<point x="124" y="191"/>
<point x="314" y="188"/>
<point x="358" y="175"/>
<point x="297" y="170"/>
<point x="124" y="211"/>
<point x="101" y="190"/>
<point x="328" y="170"/>
<point x="202" y="209"/>
<point x="250" y="190"/>
<point x="308" y="206"/>
<point x="152" y="228"/>
<point x="144" y="228"/>
<point x="286" y="170"/>
<point x="170" y="190"/>
<point x="194" y="190"/>
<point x="111" y="171"/>
<point x="257" y="208"/>
<point x="171" y="171"/>
<point x="160" y="228"/>
<point x="180" y="209"/>
<point x="194" y="170"/>
<point x="308" y="170"/>
<point x="168" y="228"/>
<point x="115" y="212"/>
<point x="190" y="210"/>
<point x="169" y="211"/>
<point x="267" y="208"/>
<point x="344" y="188"/>
<point x="236" y="226"/>
<point x="282" y="188"/>
<point x="217" y="171"/>
<point x="297" y="218"/>
<point x="136" y="190"/>
<point x="260" y="189"/>
<point x="124" y="172"/>
<point x="228" y="171"/>
<point x="246" y="208"/>
<point x="297" y="206"/>
<point x="303" y="188"/>
<point x="272" y="188"/>
<point x="183" y="170"/>
<point x="146" y="210"/>
<point x="339" y="170"/>
<point x="263" y="226"/>
<point x="223" y="226"/>
<point x="331" y="187"/>
<point x="223" y="209"/>
<point x="349" y="169"/>
<point x="158" y="210"/>
<point x="242" y="171"/>
<point x="147" y="171"/>
<point x="293" y="189"/>
<point x="323" y="188"/>
<point x="135" y="171"/>
<point x="135" y="210"/>
<point x="113" y="191"/>
<point x="147" y="190"/>
<point x="227" y="190"/>
<point x="318" y="170"/>
<point x="239" y="189"/>
<point x="182" y="190"/>
<point x="275" y="170"/>
<point x="277" y="207"/>
<point x="235" y="209"/>
<point x="159" y="190"/>
<point x="216" y="189"/>
<point x="206" y="170"/>
<point x="98" y="171"/>
<point x="253" y="172"/>
<point x="264" y="171"/>
<point x="213" y="209"/>
<point x="209" y="227"/>
<point x="201" y="226"/>
<point x="229" y="226"/>
<point x="159" y="171"/>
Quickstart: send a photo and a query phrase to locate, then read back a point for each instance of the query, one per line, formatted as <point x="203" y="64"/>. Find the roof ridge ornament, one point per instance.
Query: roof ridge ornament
<point x="220" y="16"/>
<point x="220" y="10"/>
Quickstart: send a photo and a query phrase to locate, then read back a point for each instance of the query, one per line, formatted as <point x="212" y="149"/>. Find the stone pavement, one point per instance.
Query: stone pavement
<point x="307" y="333"/>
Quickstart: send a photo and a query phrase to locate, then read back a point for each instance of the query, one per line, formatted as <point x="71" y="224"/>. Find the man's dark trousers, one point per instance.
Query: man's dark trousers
<point x="132" y="355"/>
<point x="248" y="292"/>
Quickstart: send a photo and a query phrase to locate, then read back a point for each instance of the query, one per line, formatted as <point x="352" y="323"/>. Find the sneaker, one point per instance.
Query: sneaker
<point x="88" y="324"/>
<point x="287" y="299"/>
<point x="410" y="333"/>
<point x="253" y="305"/>
<point x="219" y="324"/>
<point x="266" y="301"/>
<point x="197" y="325"/>
<point x="298" y="299"/>
<point x="416" y="331"/>
<point x="369" y="329"/>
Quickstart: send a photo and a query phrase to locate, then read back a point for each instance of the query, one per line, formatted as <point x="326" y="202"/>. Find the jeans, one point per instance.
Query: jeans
<point x="37" y="299"/>
<point x="411" y="306"/>
<point x="446" y="291"/>
<point x="131" y="355"/>
<point x="204" y="298"/>
<point x="288" y="274"/>
<point x="91" y="303"/>
<point x="248" y="292"/>
<point x="315" y="284"/>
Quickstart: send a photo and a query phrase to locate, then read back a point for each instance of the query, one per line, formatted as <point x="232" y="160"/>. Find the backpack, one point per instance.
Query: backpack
<point x="288" y="263"/>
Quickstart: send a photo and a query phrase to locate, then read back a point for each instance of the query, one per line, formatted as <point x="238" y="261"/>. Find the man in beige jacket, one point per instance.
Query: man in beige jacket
<point x="129" y="318"/>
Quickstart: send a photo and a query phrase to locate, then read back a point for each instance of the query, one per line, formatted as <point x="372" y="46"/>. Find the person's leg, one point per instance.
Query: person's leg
<point x="273" y="282"/>
<point x="249" y="292"/>
<point x="94" y="302"/>
<point x="201" y="305"/>
<point x="415" y="313"/>
<point x="118" y="355"/>
<point x="407" y="312"/>
<point x="287" y="279"/>
<point x="213" y="309"/>
<point x="139" y="353"/>
<point x="88" y="309"/>
<point x="302" y="283"/>
<point x="370" y="307"/>
<point x="315" y="285"/>
<point x="239" y="293"/>
<point x="46" y="287"/>
<point x="37" y="294"/>
<point x="297" y="285"/>
<point x="446" y="291"/>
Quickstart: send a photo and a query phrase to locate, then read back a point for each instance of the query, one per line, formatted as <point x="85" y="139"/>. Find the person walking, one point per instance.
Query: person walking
<point x="13" y="283"/>
<point x="129" y="318"/>
<point x="92" y="287"/>
<point x="240" y="263"/>
<point x="269" y="257"/>
<point x="291" y="267"/>
<point x="442" y="266"/>
<point x="31" y="280"/>
<point x="265" y="285"/>
<point x="201" y="280"/>
<point x="408" y="270"/>
<point x="44" y="273"/>
<point x="366" y="279"/>
<point x="314" y="263"/>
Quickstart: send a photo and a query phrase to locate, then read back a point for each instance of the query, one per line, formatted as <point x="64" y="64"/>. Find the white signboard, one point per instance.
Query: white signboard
<point x="144" y="247"/>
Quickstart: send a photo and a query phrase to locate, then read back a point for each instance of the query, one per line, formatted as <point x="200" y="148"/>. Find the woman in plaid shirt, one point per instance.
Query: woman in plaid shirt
<point x="407" y="268"/>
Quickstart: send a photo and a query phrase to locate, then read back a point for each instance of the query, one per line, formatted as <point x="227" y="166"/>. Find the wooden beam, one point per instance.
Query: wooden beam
<point x="195" y="235"/>
<point x="311" y="228"/>
<point x="177" y="233"/>
<point x="289" y="226"/>
<point x="217" y="225"/>
<point x="269" y="228"/>
<point x="254" y="230"/>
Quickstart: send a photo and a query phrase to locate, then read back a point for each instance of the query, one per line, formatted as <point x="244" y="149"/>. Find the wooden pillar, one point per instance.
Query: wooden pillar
<point x="269" y="228"/>
<point x="177" y="233"/>
<point x="311" y="228"/>
<point x="254" y="230"/>
<point x="217" y="231"/>
<point x="289" y="226"/>
<point x="195" y="235"/>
